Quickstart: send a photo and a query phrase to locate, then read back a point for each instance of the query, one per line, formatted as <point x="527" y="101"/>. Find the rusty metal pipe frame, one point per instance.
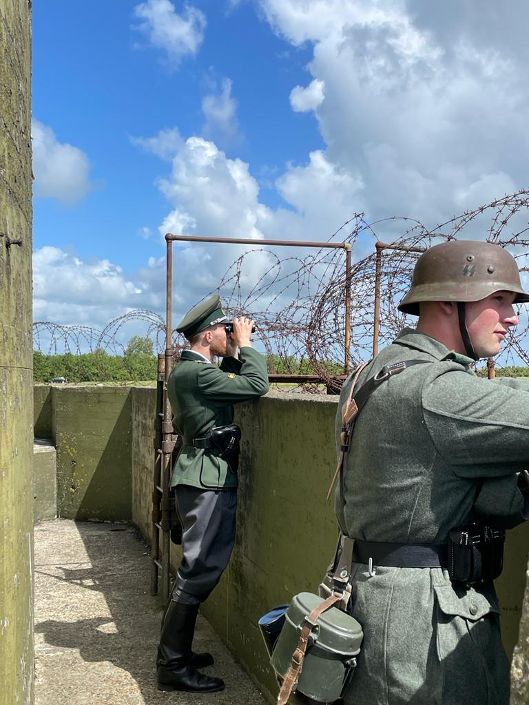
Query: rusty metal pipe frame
<point x="380" y="247"/>
<point x="282" y="243"/>
<point x="250" y="241"/>
<point x="348" y="285"/>
<point x="167" y="429"/>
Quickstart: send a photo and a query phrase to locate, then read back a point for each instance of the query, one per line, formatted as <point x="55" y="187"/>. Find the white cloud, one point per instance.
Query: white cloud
<point x="419" y="119"/>
<point x="145" y="232"/>
<point x="179" y="35"/>
<point x="318" y="191"/>
<point x="220" y="112"/>
<point x="215" y="194"/>
<point x="303" y="100"/>
<point x="69" y="290"/>
<point x="210" y="195"/>
<point x="61" y="170"/>
<point x="423" y="108"/>
<point x="164" y="145"/>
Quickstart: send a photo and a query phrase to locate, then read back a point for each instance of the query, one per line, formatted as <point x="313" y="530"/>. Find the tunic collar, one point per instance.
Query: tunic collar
<point x="194" y="356"/>
<point x="410" y="338"/>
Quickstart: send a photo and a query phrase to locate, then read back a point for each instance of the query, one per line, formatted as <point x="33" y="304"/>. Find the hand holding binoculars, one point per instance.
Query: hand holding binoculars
<point x="229" y="327"/>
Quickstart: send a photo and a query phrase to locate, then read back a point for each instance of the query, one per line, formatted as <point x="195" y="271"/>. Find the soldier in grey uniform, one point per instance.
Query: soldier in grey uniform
<point x="202" y="396"/>
<point x="436" y="449"/>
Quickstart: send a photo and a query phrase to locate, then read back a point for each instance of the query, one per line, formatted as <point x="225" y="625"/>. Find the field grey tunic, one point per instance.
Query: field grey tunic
<point x="433" y="445"/>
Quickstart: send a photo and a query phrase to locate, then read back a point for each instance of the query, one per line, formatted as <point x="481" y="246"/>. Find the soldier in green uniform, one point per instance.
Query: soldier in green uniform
<point x="202" y="396"/>
<point x="436" y="450"/>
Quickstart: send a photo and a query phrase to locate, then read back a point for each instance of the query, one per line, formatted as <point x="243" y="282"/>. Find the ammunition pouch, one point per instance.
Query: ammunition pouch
<point x="475" y="553"/>
<point x="224" y="442"/>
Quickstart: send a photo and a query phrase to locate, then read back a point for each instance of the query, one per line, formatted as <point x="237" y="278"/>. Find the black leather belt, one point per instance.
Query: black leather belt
<point x="401" y="555"/>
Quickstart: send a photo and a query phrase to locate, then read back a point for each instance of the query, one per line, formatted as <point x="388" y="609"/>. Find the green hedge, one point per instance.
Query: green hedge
<point x="98" y="366"/>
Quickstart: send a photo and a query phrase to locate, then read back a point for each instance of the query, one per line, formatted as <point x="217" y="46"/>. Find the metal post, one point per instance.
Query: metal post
<point x="380" y="246"/>
<point x="378" y="278"/>
<point x="348" y="283"/>
<point x="491" y="368"/>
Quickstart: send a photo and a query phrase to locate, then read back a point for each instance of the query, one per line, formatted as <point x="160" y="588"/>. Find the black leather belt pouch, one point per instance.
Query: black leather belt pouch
<point x="475" y="553"/>
<point x="224" y="441"/>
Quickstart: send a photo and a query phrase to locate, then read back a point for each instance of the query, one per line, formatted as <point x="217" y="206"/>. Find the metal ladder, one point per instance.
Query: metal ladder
<point x="166" y="443"/>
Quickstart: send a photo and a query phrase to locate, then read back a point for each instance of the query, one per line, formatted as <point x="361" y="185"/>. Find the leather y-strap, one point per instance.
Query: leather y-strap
<point x="354" y="405"/>
<point x="349" y="413"/>
<point x="298" y="656"/>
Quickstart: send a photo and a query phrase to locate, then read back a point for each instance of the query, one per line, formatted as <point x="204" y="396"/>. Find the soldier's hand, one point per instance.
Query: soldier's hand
<point x="242" y="331"/>
<point x="232" y="348"/>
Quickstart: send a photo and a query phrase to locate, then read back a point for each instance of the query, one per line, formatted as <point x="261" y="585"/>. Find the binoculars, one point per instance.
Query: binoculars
<point x="229" y="327"/>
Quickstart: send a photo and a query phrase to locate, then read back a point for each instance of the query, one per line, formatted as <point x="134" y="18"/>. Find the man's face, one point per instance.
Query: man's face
<point x="219" y="340"/>
<point x="489" y="320"/>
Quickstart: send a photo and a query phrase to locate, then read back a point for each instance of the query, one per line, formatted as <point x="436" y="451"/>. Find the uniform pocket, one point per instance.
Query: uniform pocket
<point x="474" y="665"/>
<point x="470" y="605"/>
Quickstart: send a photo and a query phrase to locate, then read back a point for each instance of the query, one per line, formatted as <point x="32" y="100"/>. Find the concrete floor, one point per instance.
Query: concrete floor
<point x="97" y="626"/>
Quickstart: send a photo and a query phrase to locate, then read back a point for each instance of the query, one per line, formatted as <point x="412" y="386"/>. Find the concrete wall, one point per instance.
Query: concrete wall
<point x="91" y="431"/>
<point x="16" y="384"/>
<point x="44" y="480"/>
<point x="286" y="530"/>
<point x="42" y="411"/>
<point x="143" y="408"/>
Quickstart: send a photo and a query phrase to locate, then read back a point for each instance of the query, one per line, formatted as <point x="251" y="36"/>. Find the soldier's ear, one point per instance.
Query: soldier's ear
<point x="449" y="308"/>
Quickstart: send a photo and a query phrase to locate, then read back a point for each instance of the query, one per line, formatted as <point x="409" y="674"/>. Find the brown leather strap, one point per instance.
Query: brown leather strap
<point x="296" y="665"/>
<point x="349" y="412"/>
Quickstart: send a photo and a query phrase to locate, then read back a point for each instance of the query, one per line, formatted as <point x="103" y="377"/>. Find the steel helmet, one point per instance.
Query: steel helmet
<point x="462" y="271"/>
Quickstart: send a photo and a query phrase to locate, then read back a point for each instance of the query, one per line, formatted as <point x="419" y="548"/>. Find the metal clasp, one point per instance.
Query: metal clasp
<point x="388" y="371"/>
<point x="372" y="572"/>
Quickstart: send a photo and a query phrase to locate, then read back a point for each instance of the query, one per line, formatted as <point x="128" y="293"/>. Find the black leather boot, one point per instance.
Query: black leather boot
<point x="198" y="660"/>
<point x="174" y="663"/>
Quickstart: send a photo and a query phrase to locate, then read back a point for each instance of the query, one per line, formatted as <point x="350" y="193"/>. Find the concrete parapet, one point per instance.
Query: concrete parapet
<point x="286" y="530"/>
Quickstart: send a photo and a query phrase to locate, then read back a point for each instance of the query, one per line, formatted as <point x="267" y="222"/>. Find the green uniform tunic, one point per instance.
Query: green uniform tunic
<point x="433" y="444"/>
<point x="202" y="396"/>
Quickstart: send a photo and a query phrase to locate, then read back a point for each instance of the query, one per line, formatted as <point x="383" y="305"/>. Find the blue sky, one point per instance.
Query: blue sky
<point x="256" y="118"/>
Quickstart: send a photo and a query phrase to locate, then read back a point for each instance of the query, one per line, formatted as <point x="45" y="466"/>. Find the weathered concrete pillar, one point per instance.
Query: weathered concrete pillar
<point x="16" y="383"/>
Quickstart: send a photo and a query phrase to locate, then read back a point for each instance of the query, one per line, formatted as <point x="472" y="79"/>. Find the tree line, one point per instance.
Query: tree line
<point x="139" y="364"/>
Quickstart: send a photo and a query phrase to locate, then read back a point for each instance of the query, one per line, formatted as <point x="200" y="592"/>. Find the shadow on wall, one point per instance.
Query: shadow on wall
<point x="91" y="429"/>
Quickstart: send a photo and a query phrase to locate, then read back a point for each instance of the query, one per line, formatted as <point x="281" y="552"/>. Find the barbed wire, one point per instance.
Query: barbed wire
<point x="298" y="302"/>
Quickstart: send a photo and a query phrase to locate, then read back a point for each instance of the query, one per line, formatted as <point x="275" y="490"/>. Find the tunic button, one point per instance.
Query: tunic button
<point x="473" y="609"/>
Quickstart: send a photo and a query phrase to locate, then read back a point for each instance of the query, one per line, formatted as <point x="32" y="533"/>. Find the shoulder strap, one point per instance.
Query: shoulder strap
<point x="354" y="405"/>
<point x="384" y="374"/>
<point x="349" y="413"/>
